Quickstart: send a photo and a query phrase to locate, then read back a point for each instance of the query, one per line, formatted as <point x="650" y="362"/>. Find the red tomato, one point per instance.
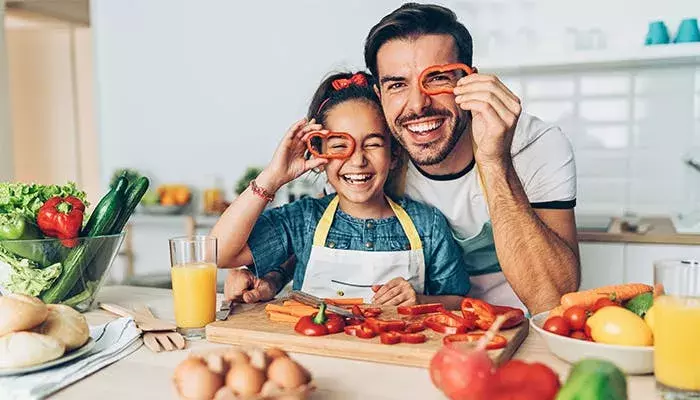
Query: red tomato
<point x="576" y="317"/>
<point x="604" y="302"/>
<point x="579" y="335"/>
<point x="517" y="379"/>
<point x="557" y="325"/>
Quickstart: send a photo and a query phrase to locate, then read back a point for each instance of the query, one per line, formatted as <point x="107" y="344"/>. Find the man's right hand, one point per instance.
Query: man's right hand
<point x="242" y="285"/>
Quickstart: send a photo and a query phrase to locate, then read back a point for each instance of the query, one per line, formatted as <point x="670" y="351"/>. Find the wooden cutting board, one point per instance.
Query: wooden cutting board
<point x="249" y="325"/>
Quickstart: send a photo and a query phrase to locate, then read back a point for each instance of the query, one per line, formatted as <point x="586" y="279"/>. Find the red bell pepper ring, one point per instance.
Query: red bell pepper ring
<point x="62" y="218"/>
<point x="413" y="338"/>
<point x="414" y="327"/>
<point x="498" y="341"/>
<point x="515" y="316"/>
<point x="361" y="331"/>
<point x="420" y="309"/>
<point x="380" y="326"/>
<point x="447" y="323"/>
<point x="320" y="323"/>
<point x="344" y="149"/>
<point x="437" y="69"/>
<point x="390" y="337"/>
<point x="483" y="311"/>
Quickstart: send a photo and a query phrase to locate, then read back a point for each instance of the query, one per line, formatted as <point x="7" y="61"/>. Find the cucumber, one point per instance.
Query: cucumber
<point x="133" y="196"/>
<point x="101" y="221"/>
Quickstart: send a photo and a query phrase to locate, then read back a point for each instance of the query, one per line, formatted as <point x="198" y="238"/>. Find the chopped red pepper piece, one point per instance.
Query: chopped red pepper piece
<point x="498" y="341"/>
<point x="483" y="311"/>
<point x="350" y="321"/>
<point x="419" y="309"/>
<point x="361" y="331"/>
<point x="356" y="311"/>
<point x="447" y="322"/>
<point x="371" y="312"/>
<point x="414" y="327"/>
<point x="320" y="323"/>
<point x="380" y="326"/>
<point x="515" y="316"/>
<point x="413" y="338"/>
<point x="390" y="337"/>
<point x="436" y="70"/>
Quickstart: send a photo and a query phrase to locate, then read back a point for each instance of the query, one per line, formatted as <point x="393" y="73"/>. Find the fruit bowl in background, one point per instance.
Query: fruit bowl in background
<point x="633" y="360"/>
<point x="48" y="269"/>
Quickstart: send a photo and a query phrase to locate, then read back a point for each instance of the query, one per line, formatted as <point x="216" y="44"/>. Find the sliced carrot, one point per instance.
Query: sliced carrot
<point x="279" y="317"/>
<point x="298" y="311"/>
<point x="288" y="303"/>
<point x="587" y="298"/>
<point x="342" y="301"/>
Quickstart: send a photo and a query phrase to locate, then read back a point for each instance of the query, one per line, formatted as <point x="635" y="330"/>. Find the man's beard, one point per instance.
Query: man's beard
<point x="436" y="152"/>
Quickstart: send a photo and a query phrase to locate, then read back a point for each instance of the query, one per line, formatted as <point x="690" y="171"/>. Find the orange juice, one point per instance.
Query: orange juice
<point x="194" y="294"/>
<point x="677" y="342"/>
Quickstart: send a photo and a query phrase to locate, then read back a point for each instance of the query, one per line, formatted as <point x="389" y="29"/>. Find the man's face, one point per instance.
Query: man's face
<point x="428" y="127"/>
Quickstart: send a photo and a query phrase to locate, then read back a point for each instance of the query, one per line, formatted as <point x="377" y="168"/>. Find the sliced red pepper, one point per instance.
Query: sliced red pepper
<point x="320" y="323"/>
<point x="350" y="321"/>
<point x="356" y="311"/>
<point x="498" y="341"/>
<point x="341" y="152"/>
<point x="419" y="309"/>
<point x="514" y="316"/>
<point x="361" y="331"/>
<point x="380" y="326"/>
<point x="413" y="338"/>
<point x="437" y="69"/>
<point x="414" y="327"/>
<point x="447" y="323"/>
<point x="371" y="312"/>
<point x="390" y="337"/>
<point x="483" y="311"/>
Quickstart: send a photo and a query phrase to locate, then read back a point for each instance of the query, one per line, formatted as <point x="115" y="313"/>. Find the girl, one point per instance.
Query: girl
<point x="357" y="242"/>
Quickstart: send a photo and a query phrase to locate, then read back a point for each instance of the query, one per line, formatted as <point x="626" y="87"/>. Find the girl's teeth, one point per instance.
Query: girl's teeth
<point x="424" y="126"/>
<point x="357" y="178"/>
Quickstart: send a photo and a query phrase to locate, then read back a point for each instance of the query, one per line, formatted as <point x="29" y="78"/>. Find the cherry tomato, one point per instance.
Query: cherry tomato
<point x="604" y="302"/>
<point x="558" y="326"/>
<point x="576" y="317"/>
<point x="579" y="335"/>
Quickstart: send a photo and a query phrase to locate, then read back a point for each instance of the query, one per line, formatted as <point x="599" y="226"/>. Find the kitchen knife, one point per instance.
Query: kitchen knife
<point x="314" y="301"/>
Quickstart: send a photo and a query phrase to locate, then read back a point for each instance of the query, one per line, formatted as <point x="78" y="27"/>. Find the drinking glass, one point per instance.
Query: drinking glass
<point x="193" y="262"/>
<point x="676" y="326"/>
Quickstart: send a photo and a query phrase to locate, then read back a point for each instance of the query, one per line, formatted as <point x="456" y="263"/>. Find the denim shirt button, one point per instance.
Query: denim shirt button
<point x="331" y="244"/>
<point x="369" y="245"/>
<point x="369" y="225"/>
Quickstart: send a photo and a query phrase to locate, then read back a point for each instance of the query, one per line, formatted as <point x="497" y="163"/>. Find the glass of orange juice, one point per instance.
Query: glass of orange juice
<point x="193" y="273"/>
<point x="676" y="328"/>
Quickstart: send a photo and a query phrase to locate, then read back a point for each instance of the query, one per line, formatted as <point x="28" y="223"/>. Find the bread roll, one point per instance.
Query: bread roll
<point x="20" y="313"/>
<point x="66" y="325"/>
<point x="23" y="349"/>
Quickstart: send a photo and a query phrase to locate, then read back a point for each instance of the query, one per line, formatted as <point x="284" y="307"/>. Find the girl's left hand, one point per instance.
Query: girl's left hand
<point x="396" y="292"/>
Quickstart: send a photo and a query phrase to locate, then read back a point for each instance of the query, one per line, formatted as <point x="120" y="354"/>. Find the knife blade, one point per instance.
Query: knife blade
<point x="314" y="301"/>
<point x="225" y="310"/>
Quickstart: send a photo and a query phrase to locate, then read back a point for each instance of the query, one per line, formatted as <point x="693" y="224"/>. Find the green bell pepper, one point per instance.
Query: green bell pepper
<point x="592" y="379"/>
<point x="15" y="229"/>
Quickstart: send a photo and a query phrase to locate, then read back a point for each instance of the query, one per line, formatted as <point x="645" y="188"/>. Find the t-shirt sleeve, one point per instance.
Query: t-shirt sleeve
<point x="275" y="236"/>
<point x="547" y="170"/>
<point x="446" y="272"/>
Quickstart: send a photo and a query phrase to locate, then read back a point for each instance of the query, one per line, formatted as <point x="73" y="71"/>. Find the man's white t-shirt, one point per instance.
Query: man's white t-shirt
<point x="544" y="161"/>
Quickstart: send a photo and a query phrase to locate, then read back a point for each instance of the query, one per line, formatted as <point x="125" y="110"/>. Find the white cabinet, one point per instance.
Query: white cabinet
<point x="601" y="264"/>
<point x="639" y="259"/>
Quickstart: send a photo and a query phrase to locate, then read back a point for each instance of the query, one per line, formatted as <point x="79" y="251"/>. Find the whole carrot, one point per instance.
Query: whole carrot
<point x="587" y="298"/>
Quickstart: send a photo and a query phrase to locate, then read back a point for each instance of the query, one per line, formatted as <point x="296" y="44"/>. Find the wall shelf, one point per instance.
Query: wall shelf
<point x="644" y="56"/>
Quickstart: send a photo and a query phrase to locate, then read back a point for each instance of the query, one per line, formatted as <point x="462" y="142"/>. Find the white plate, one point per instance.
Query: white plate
<point x="84" y="349"/>
<point x="633" y="360"/>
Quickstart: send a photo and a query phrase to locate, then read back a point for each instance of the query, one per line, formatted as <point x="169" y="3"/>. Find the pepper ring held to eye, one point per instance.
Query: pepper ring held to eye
<point x="331" y="145"/>
<point x="442" y="79"/>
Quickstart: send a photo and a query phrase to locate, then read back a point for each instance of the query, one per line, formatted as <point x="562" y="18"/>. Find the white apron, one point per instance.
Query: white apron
<point x="351" y="273"/>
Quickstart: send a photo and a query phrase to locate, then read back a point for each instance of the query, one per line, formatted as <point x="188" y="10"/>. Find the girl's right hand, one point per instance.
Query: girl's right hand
<point x="288" y="162"/>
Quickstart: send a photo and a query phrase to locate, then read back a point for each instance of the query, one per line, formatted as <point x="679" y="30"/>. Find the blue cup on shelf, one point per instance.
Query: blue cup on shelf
<point x="688" y="31"/>
<point x="657" y="33"/>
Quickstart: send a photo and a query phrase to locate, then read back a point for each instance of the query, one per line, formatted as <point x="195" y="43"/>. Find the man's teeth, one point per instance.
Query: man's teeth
<point x="357" y="178"/>
<point x="423" y="127"/>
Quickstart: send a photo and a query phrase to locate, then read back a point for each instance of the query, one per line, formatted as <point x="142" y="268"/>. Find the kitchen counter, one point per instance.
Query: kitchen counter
<point x="145" y="375"/>
<point x="661" y="231"/>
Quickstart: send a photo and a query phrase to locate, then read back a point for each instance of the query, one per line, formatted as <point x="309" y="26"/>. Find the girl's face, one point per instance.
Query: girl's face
<point x="360" y="178"/>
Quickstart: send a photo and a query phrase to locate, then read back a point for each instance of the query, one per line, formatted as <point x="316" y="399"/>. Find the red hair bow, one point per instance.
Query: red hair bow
<point x="357" y="79"/>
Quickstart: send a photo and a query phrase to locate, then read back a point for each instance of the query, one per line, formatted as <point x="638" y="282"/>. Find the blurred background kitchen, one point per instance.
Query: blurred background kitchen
<point x="196" y="94"/>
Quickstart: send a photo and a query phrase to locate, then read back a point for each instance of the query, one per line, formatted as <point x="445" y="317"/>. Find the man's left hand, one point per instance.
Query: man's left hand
<point x="495" y="111"/>
<point x="396" y="292"/>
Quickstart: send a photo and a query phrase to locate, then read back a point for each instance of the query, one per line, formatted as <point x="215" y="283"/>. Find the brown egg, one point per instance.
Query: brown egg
<point x="194" y="381"/>
<point x="236" y="357"/>
<point x="274" y="352"/>
<point x="287" y="373"/>
<point x="215" y="363"/>
<point x="245" y="380"/>
<point x="259" y="359"/>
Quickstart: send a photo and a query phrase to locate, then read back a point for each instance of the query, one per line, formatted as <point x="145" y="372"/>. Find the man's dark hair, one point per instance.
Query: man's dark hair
<point x="412" y="20"/>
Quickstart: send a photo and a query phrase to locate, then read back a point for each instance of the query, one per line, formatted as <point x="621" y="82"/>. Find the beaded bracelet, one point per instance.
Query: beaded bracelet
<point x="260" y="192"/>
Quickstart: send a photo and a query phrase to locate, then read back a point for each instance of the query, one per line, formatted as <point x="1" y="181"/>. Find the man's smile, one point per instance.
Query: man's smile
<point x="425" y="130"/>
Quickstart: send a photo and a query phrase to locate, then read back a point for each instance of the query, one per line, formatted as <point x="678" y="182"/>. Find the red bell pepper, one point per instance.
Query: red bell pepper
<point x="498" y="341"/>
<point x="531" y="380"/>
<point x="390" y="337"/>
<point x="514" y="316"/>
<point x="483" y="311"/>
<point x="398" y="337"/>
<point x="419" y="309"/>
<point x="380" y="326"/>
<point x="361" y="331"/>
<point x="62" y="218"/>
<point x="448" y="323"/>
<point x="413" y="338"/>
<point x="437" y="69"/>
<point x="320" y="323"/>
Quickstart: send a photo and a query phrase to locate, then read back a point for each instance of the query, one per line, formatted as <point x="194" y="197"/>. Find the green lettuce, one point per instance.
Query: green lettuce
<point x="27" y="198"/>
<point x="24" y="276"/>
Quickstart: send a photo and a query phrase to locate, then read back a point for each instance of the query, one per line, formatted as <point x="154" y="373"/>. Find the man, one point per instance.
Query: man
<point x="518" y="235"/>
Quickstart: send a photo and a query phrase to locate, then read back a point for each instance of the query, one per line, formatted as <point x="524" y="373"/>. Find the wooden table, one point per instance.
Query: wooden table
<point x="147" y="375"/>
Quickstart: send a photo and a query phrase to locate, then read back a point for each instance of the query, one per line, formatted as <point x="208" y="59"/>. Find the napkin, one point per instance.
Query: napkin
<point x="113" y="341"/>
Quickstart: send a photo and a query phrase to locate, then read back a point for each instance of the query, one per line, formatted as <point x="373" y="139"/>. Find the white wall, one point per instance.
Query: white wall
<point x="6" y="153"/>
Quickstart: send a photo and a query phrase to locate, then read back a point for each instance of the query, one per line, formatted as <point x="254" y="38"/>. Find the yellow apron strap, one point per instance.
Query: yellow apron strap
<point x="408" y="227"/>
<point x="324" y="225"/>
